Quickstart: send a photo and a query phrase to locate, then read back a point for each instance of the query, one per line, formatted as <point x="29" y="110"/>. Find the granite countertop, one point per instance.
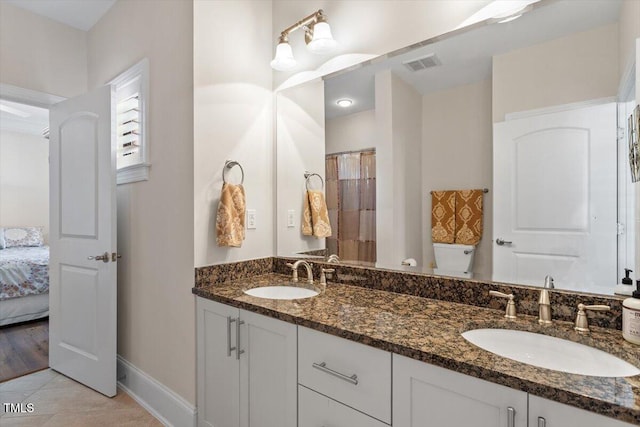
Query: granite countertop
<point x="430" y="330"/>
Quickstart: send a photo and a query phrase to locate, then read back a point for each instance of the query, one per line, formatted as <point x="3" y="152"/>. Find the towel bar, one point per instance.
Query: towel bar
<point x="307" y="177"/>
<point x="484" y="190"/>
<point x="229" y="164"/>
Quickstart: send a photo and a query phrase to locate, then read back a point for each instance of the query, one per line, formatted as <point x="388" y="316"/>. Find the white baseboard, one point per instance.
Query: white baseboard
<point x="169" y="408"/>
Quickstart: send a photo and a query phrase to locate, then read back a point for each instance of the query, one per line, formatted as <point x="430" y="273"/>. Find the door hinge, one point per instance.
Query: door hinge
<point x="621" y="229"/>
<point x="621" y="132"/>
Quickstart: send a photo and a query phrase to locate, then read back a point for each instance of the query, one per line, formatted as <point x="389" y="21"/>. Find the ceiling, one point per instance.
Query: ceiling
<point x="22" y="118"/>
<point x="80" y="14"/>
<point x="467" y="57"/>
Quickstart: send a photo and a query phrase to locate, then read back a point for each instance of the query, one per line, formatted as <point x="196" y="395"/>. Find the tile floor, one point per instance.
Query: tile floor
<point x="60" y="401"/>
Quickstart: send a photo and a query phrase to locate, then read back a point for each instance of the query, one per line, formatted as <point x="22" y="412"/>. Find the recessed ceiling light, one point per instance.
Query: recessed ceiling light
<point x="344" y="103"/>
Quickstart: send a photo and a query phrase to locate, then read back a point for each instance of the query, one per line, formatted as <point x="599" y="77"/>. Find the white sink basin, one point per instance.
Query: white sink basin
<point x="281" y="292"/>
<point x="550" y="352"/>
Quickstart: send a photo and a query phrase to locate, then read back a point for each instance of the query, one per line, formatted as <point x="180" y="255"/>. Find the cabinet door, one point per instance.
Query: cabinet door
<point x="429" y="396"/>
<point x="268" y="372"/>
<point x="317" y="410"/>
<point x="218" y="371"/>
<point x="547" y="413"/>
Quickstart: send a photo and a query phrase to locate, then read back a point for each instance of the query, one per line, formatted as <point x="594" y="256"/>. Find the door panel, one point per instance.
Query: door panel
<point x="268" y="372"/>
<point x="83" y="227"/>
<point x="78" y="181"/>
<point x="555" y="199"/>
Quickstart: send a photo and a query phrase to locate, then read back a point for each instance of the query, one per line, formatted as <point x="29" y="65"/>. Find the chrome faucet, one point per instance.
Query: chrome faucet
<point x="295" y="266"/>
<point x="544" y="303"/>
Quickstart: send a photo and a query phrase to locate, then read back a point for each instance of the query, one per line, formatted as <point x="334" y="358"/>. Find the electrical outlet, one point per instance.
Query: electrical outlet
<point x="251" y="219"/>
<point x="290" y="218"/>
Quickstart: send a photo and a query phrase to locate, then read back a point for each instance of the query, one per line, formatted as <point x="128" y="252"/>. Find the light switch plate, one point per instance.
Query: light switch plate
<point x="251" y="219"/>
<point x="290" y="218"/>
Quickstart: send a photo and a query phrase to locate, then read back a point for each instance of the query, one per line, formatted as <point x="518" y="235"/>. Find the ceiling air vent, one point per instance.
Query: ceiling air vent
<point x="423" y="63"/>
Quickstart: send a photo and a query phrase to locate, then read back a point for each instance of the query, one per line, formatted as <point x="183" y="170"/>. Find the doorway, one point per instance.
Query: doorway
<point x="24" y="232"/>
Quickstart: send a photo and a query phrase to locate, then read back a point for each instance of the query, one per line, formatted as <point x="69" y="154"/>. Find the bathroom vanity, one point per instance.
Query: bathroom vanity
<point x="354" y="356"/>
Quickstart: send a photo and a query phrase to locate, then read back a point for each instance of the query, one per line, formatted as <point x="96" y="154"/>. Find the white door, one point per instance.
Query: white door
<point x="544" y="412"/>
<point x="218" y="367"/>
<point x="429" y="396"/>
<point x="268" y="372"/>
<point x="83" y="230"/>
<point x="554" y="178"/>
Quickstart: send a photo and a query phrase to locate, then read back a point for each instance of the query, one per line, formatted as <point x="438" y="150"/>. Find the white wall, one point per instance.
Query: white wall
<point x="301" y="147"/>
<point x="629" y="31"/>
<point x="156" y="311"/>
<point x="41" y="54"/>
<point x="398" y="117"/>
<point x="233" y="119"/>
<point x="578" y="67"/>
<point x="24" y="180"/>
<point x="457" y="154"/>
<point x="371" y="27"/>
<point x="353" y="132"/>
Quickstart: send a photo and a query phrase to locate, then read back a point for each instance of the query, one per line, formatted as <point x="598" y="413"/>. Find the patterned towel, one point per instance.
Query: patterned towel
<point x="230" y="216"/>
<point x="315" y="217"/>
<point x="469" y="216"/>
<point x="443" y="217"/>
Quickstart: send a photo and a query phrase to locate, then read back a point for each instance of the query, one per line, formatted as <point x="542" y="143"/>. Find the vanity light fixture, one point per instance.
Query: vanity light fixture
<point x="317" y="35"/>
<point x="344" y="103"/>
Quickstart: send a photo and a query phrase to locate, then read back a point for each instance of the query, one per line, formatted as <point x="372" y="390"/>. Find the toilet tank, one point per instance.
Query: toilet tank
<point x="455" y="258"/>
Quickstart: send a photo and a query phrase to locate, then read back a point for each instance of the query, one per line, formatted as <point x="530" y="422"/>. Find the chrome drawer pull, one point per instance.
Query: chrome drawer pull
<point x="237" y="347"/>
<point x="542" y="422"/>
<point x="230" y="320"/>
<point x="511" y="417"/>
<point x="353" y="379"/>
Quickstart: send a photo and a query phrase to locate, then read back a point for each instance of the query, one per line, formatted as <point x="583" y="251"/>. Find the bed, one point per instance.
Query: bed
<point x="24" y="284"/>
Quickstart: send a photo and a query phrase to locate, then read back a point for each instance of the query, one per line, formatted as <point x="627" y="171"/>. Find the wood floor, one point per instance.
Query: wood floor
<point x="24" y="348"/>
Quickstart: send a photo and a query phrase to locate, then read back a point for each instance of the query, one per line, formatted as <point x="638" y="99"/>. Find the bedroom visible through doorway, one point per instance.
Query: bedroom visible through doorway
<point x="24" y="235"/>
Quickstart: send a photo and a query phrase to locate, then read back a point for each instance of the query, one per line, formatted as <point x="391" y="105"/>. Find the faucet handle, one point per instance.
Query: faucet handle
<point x="510" y="313"/>
<point x="323" y="277"/>
<point x="294" y="275"/>
<point x="582" y="322"/>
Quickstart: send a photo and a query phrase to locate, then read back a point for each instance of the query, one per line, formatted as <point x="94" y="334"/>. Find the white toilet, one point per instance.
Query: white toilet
<point x="454" y="260"/>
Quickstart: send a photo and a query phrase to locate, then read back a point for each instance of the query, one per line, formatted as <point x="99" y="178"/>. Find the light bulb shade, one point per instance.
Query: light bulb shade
<point x="284" y="59"/>
<point x="322" y="41"/>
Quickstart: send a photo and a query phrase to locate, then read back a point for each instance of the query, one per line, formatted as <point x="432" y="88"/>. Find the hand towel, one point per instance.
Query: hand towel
<point x="443" y="218"/>
<point x="230" y="216"/>
<point x="315" y="216"/>
<point x="469" y="216"/>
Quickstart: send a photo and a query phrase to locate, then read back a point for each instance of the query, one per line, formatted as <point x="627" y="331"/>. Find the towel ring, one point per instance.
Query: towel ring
<point x="229" y="164"/>
<point x="307" y="177"/>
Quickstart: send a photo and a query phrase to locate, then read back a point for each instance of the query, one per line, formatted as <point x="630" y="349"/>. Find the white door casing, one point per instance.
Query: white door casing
<point x="83" y="224"/>
<point x="555" y="199"/>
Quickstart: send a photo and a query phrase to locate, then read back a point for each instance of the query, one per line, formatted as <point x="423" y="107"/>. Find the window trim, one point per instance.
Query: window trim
<point x="139" y="171"/>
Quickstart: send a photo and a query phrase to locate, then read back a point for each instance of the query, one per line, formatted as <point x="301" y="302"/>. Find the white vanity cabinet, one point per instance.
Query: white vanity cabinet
<point x="246" y="368"/>
<point x="547" y="413"/>
<point x="429" y="396"/>
<point x="355" y="378"/>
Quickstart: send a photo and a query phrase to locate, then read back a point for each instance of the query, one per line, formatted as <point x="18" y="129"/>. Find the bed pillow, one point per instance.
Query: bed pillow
<point x="2" y="244"/>
<point x="23" y="236"/>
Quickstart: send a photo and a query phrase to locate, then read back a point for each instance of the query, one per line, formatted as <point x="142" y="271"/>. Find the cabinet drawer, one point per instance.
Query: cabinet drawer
<point x="316" y="410"/>
<point x="327" y="363"/>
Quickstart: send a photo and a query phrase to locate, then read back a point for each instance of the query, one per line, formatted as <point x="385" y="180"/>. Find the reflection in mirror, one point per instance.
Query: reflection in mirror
<point x="527" y="109"/>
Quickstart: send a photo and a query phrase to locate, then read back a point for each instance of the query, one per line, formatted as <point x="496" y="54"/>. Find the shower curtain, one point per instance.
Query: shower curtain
<point x="351" y="200"/>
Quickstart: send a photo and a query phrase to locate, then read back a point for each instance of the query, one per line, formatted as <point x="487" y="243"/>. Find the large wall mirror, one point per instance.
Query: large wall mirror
<point x="525" y="113"/>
